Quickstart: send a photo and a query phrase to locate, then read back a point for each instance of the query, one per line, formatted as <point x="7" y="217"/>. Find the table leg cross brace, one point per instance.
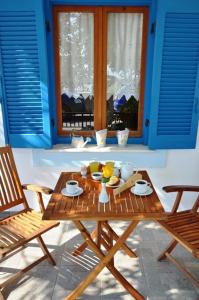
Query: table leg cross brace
<point x="94" y="235"/>
<point x="105" y="261"/>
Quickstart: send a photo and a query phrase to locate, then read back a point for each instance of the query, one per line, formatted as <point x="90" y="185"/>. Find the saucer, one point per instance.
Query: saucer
<point x="77" y="193"/>
<point x="147" y="193"/>
<point x="117" y="185"/>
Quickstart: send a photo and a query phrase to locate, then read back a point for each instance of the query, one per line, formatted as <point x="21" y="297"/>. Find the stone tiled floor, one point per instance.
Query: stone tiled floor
<point x="155" y="280"/>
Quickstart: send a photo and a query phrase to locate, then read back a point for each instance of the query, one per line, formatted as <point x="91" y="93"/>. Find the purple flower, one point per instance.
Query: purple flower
<point x="118" y="103"/>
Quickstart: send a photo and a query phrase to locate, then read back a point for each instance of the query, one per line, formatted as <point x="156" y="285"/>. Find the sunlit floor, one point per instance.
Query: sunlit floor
<point x="155" y="280"/>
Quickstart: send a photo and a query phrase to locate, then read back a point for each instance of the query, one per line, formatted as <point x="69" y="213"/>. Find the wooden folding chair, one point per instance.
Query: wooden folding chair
<point x="184" y="228"/>
<point x="17" y="230"/>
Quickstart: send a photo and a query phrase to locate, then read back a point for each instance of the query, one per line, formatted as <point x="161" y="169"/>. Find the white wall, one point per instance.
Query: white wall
<point x="178" y="167"/>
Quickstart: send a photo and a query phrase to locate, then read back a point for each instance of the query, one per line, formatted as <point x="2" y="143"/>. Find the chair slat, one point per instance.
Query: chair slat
<point x="3" y="189"/>
<point x="27" y="221"/>
<point x="195" y="242"/>
<point x="2" y="201"/>
<point x="21" y="225"/>
<point x="13" y="229"/>
<point x="31" y="218"/>
<point x="14" y="181"/>
<point x="11" y="192"/>
<point x="191" y="236"/>
<point x="10" y="177"/>
<point x="181" y="221"/>
<point x="9" y="234"/>
<point x="4" y="175"/>
<point x="187" y="227"/>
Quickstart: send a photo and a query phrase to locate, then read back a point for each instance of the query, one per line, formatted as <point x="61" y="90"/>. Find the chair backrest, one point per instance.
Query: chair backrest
<point x="11" y="192"/>
<point x="180" y="189"/>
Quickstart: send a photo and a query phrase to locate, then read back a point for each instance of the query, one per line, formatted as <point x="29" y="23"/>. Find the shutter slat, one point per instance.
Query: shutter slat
<point x="14" y="53"/>
<point x="9" y="22"/>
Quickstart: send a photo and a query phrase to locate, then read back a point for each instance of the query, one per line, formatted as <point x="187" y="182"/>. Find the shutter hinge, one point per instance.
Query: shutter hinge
<point x="153" y="27"/>
<point x="53" y="123"/>
<point x="47" y="25"/>
<point x="147" y="122"/>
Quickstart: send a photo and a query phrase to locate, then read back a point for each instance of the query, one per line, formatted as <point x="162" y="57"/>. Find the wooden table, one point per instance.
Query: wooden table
<point x="125" y="206"/>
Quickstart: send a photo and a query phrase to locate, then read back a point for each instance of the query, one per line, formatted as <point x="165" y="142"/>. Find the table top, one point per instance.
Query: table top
<point x="125" y="206"/>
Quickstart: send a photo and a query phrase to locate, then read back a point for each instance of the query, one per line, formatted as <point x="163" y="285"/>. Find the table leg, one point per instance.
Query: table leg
<point x="106" y="240"/>
<point x="116" y="237"/>
<point x="95" y="234"/>
<point x="84" y="245"/>
<point x="99" y="228"/>
<point x="105" y="262"/>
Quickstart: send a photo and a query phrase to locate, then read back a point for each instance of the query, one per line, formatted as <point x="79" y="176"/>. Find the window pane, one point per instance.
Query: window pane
<point x="123" y="69"/>
<point x="76" y="53"/>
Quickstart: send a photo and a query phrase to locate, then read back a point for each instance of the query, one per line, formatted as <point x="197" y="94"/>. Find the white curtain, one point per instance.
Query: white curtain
<point x="124" y="54"/>
<point x="76" y="46"/>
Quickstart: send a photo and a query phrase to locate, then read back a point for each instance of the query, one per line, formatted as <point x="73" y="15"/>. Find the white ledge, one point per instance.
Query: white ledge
<point x="96" y="149"/>
<point x="65" y="155"/>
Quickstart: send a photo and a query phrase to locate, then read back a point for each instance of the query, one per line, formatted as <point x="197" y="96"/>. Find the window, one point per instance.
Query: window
<point x="172" y="75"/>
<point x="100" y="68"/>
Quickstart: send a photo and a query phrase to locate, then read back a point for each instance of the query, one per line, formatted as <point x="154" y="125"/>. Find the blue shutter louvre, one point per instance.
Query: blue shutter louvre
<point x="175" y="82"/>
<point x="179" y="73"/>
<point x="25" y="87"/>
<point x="21" y="72"/>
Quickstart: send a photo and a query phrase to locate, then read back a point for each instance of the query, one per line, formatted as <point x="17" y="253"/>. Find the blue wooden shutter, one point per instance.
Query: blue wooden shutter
<point x="174" y="102"/>
<point x="24" y="76"/>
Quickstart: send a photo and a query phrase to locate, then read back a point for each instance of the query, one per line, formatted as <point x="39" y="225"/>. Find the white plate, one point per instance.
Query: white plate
<point x="115" y="186"/>
<point x="65" y="193"/>
<point x="147" y="193"/>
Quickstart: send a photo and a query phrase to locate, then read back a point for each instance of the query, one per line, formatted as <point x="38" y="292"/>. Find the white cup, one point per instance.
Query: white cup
<point x="83" y="170"/>
<point x="141" y="186"/>
<point x="101" y="137"/>
<point x="72" y="186"/>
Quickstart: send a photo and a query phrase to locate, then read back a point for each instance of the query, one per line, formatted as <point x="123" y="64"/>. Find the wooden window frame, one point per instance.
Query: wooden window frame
<point x="100" y="65"/>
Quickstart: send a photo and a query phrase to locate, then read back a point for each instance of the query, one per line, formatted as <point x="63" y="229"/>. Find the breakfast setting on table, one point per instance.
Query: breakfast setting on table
<point x="108" y="175"/>
<point x="104" y="191"/>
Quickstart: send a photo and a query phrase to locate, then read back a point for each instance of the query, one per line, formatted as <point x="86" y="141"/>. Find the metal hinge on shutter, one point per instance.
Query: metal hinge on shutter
<point x="153" y="27"/>
<point x="147" y="122"/>
<point x="53" y="122"/>
<point x="47" y="25"/>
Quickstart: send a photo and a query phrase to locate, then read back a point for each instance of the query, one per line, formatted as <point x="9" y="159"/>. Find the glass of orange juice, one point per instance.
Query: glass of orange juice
<point x="110" y="163"/>
<point x="94" y="166"/>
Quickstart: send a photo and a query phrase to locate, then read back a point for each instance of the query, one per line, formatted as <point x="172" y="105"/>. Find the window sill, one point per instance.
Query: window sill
<point x="106" y="149"/>
<point x="65" y="156"/>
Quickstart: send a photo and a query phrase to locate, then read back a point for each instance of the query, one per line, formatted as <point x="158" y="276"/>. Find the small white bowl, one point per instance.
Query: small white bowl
<point x="96" y="175"/>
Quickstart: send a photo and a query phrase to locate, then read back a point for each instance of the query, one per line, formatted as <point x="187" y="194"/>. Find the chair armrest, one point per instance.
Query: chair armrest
<point x="39" y="191"/>
<point x="37" y="188"/>
<point x="181" y="188"/>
